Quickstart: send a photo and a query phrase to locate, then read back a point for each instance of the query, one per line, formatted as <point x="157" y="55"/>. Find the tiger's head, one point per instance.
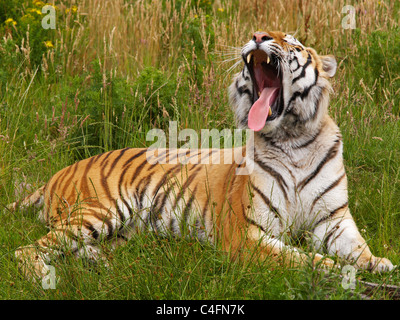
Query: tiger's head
<point x="283" y="87"/>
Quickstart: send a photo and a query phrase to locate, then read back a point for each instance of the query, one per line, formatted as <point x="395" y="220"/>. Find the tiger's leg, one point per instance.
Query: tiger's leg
<point x="257" y="243"/>
<point x="244" y="238"/>
<point x="78" y="236"/>
<point x="339" y="235"/>
<point x="33" y="259"/>
<point x="35" y="199"/>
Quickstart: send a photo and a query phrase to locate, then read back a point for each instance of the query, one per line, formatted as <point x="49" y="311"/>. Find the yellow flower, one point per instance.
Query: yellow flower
<point x="38" y="3"/>
<point x="196" y="16"/>
<point x="74" y="9"/>
<point x="35" y="11"/>
<point x="11" y="21"/>
<point x="221" y="9"/>
<point x="48" y="44"/>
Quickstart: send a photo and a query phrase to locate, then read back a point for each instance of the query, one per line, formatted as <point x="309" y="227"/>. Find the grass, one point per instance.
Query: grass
<point x="117" y="69"/>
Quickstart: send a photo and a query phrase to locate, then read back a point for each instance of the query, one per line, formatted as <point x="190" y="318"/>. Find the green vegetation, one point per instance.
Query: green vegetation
<point x="112" y="70"/>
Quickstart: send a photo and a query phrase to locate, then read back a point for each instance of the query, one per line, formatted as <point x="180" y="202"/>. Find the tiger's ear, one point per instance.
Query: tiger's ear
<point x="329" y="65"/>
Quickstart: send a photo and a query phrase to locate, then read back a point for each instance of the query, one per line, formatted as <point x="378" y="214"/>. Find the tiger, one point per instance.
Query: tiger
<point x="294" y="184"/>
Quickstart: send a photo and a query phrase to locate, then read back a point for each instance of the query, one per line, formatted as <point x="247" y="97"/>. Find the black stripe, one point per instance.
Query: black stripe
<point x="144" y="189"/>
<point x="268" y="140"/>
<point x="277" y="176"/>
<point x="292" y="98"/>
<point x="84" y="178"/>
<point x="153" y="215"/>
<point x="195" y="155"/>
<point x="120" y="191"/>
<point x="210" y="153"/>
<point x="337" y="209"/>
<point x="329" y="188"/>
<point x="298" y="64"/>
<point x="329" y="235"/>
<point x="331" y="214"/>
<point x="267" y="201"/>
<point x="91" y="228"/>
<point x="242" y="89"/>
<point x="329" y="156"/>
<point x="136" y="194"/>
<point x="121" y="153"/>
<point x="251" y="221"/>
<point x="38" y="200"/>
<point x="163" y="180"/>
<point x="98" y="156"/>
<point x="185" y="186"/>
<point x="103" y="180"/>
<point x="89" y="225"/>
<point x="109" y="227"/>
<point x="247" y="78"/>
<point x="184" y="219"/>
<point x="156" y="206"/>
<point x="194" y="166"/>
<point x="172" y="221"/>
<point x="307" y="143"/>
<point x="165" y="176"/>
<point x="121" y="236"/>
<point x="303" y="71"/>
<point x="316" y="106"/>
<point x="139" y="168"/>
<point x="307" y="90"/>
<point x="173" y="156"/>
<point x="127" y="162"/>
<point x="106" y="157"/>
<point x="104" y="220"/>
<point x="327" y="238"/>
<point x="304" y="93"/>
<point x="68" y="183"/>
<point x="137" y="201"/>
<point x="207" y="203"/>
<point x="164" y="157"/>
<point x="334" y="239"/>
<point x="104" y="183"/>
<point x="120" y="213"/>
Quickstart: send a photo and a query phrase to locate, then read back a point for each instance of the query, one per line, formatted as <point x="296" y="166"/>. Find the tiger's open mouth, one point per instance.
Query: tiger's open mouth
<point x="267" y="91"/>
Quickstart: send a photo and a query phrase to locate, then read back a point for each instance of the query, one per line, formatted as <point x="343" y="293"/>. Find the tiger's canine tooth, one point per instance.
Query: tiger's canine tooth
<point x="268" y="60"/>
<point x="249" y="57"/>
<point x="270" y="111"/>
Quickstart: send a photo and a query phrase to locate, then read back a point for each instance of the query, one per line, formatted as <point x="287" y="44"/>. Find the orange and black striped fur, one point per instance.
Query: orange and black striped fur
<point x="295" y="179"/>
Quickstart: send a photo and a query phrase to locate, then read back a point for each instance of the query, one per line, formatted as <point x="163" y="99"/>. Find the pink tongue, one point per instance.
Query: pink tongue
<point x="259" y="111"/>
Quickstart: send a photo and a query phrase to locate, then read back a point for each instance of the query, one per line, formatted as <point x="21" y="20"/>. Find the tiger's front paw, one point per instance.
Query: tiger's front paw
<point x="323" y="262"/>
<point x="375" y="264"/>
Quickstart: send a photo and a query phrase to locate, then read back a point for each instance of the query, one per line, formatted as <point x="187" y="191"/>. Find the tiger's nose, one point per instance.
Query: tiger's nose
<point x="259" y="37"/>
